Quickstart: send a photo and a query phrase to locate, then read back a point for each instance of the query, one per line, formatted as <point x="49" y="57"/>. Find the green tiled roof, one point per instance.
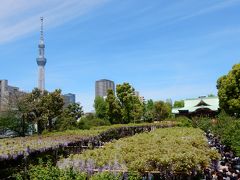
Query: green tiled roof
<point x="192" y="105"/>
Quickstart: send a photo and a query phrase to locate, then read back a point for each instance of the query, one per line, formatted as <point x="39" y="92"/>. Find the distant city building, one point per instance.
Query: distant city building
<point x="169" y="101"/>
<point x="41" y="60"/>
<point x="101" y="87"/>
<point x="141" y="98"/>
<point x="7" y="94"/>
<point x="69" y="99"/>
<point x="202" y="106"/>
<point x="136" y="93"/>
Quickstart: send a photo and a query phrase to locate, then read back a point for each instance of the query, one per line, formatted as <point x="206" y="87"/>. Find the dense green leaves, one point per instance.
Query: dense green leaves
<point x="52" y="103"/>
<point x="50" y="172"/>
<point x="35" y="108"/>
<point x="12" y="147"/>
<point x="127" y="107"/>
<point x="68" y="119"/>
<point x="229" y="91"/>
<point x="131" y="107"/>
<point x="113" y="108"/>
<point x="178" y="104"/>
<point x="90" y="121"/>
<point x="100" y="106"/>
<point x="226" y="127"/>
<point x="161" y="110"/>
<point x="176" y="150"/>
<point x="10" y="121"/>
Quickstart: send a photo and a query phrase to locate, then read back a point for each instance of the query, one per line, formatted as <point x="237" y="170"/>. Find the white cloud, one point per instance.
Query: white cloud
<point x="19" y="18"/>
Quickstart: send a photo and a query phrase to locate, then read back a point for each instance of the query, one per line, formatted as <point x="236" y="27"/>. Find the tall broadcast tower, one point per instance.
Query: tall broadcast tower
<point x="41" y="60"/>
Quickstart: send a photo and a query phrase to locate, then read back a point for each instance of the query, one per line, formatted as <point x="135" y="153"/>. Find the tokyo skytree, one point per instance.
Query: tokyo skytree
<point x="41" y="60"/>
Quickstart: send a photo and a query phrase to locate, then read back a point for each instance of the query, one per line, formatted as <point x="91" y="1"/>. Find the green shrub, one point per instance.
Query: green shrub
<point x="106" y="176"/>
<point x="88" y="122"/>
<point x="224" y="126"/>
<point x="204" y="123"/>
<point x="134" y="176"/>
<point x="49" y="172"/>
<point x="184" y="121"/>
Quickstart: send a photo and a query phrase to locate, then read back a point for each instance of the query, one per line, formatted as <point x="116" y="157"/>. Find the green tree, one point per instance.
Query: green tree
<point x="148" y="115"/>
<point x="161" y="110"/>
<point x="52" y="104"/>
<point x="113" y="108"/>
<point x="137" y="110"/>
<point x="9" y="121"/>
<point x="229" y="91"/>
<point x="178" y="104"/>
<point x="129" y="102"/>
<point x="45" y="107"/>
<point x="150" y="104"/>
<point x="69" y="117"/>
<point x="100" y="106"/>
<point x="17" y="116"/>
<point x="36" y="108"/>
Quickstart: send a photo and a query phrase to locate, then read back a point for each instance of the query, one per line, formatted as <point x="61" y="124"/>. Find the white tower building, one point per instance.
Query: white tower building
<point x="41" y="60"/>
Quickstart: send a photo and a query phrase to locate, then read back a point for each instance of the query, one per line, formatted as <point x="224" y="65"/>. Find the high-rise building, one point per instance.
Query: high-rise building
<point x="41" y="60"/>
<point x="141" y="98"/>
<point x="101" y="87"/>
<point x="69" y="99"/>
<point x="7" y="94"/>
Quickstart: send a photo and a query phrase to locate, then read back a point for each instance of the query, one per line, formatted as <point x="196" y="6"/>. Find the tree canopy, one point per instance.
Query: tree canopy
<point x="35" y="108"/>
<point x="229" y="91"/>
<point x="178" y="104"/>
<point x="69" y="117"/>
<point x="100" y="107"/>
<point x="161" y="110"/>
<point x="131" y="107"/>
<point x="113" y="108"/>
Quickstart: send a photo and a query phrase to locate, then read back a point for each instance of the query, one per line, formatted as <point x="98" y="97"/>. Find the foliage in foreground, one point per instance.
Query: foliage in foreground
<point x="226" y="127"/>
<point x="173" y="150"/>
<point x="90" y="121"/>
<point x="49" y="172"/>
<point x="13" y="147"/>
<point x="229" y="91"/>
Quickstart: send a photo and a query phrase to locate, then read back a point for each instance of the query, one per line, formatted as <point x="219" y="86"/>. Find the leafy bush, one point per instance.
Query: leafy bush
<point x="178" y="150"/>
<point x="91" y="121"/>
<point x="134" y="176"/>
<point x="14" y="147"/>
<point x="204" y="123"/>
<point x="224" y="126"/>
<point x="49" y="172"/>
<point x="228" y="128"/>
<point x="106" y="176"/>
<point x="183" y="121"/>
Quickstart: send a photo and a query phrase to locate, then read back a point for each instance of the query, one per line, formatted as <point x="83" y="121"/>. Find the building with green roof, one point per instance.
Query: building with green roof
<point x="201" y="106"/>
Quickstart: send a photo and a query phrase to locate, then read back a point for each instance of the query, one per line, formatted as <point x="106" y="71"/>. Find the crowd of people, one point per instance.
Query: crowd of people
<point x="228" y="167"/>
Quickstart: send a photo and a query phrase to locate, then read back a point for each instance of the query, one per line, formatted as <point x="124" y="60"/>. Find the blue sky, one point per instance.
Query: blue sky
<point x="166" y="49"/>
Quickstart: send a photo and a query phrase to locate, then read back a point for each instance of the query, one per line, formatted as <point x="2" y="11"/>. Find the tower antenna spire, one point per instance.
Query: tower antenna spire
<point x="41" y="31"/>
